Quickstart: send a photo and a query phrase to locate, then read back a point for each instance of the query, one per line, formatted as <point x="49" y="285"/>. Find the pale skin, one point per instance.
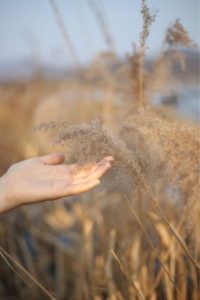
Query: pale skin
<point x="47" y="178"/>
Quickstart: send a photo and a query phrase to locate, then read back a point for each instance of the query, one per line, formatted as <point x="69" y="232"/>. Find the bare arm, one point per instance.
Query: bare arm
<point x="46" y="178"/>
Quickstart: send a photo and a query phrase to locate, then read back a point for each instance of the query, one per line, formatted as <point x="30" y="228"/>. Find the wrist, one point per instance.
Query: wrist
<point x="6" y="203"/>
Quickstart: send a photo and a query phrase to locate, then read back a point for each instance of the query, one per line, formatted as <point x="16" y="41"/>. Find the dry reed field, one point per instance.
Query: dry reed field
<point x="135" y="236"/>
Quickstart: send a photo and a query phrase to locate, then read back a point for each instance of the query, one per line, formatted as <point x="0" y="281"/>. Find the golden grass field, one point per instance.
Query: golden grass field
<point x="137" y="235"/>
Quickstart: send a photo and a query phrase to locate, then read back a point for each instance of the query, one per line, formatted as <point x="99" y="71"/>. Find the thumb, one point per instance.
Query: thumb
<point x="52" y="159"/>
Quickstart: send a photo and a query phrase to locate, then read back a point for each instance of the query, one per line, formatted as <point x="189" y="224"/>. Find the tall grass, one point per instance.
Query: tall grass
<point x="136" y="236"/>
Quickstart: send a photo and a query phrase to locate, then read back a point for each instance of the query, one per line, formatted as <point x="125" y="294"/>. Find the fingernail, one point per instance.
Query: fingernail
<point x="109" y="158"/>
<point x="106" y="164"/>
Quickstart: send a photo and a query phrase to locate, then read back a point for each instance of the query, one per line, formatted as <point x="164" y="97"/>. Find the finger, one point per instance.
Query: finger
<point x="98" y="172"/>
<point x="56" y="190"/>
<point x="79" y="188"/>
<point x="102" y="166"/>
<point x="78" y="174"/>
<point x="61" y="172"/>
<point x="85" y="170"/>
<point x="109" y="158"/>
<point x="52" y="159"/>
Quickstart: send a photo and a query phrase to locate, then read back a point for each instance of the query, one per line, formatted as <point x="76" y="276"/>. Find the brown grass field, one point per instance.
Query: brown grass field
<point x="137" y="235"/>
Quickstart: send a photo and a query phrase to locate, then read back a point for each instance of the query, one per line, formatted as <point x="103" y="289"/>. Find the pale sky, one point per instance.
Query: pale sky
<point x="28" y="27"/>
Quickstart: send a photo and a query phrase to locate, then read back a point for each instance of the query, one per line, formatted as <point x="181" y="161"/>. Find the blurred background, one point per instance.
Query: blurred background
<point x="78" y="60"/>
<point x="30" y="34"/>
<point x="63" y="49"/>
<point x="54" y="40"/>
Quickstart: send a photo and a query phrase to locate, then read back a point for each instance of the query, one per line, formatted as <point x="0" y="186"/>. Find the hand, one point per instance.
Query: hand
<point x="46" y="178"/>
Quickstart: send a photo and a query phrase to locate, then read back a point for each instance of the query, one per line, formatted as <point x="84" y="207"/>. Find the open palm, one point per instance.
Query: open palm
<point x="47" y="178"/>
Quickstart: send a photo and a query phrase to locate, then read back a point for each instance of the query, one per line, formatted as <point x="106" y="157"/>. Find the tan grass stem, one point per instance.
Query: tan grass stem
<point x="128" y="276"/>
<point x="4" y="254"/>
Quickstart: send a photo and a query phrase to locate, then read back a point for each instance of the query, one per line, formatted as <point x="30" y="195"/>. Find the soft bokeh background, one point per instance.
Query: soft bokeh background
<point x="28" y="29"/>
<point x="76" y="61"/>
